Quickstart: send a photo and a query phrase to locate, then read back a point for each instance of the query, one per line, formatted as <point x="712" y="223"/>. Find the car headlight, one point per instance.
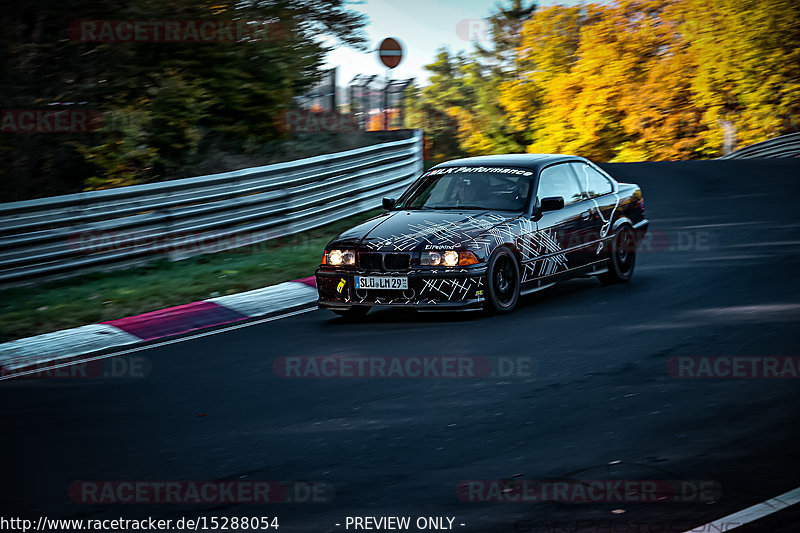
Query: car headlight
<point x="448" y="258"/>
<point x="340" y="257"/>
<point x="430" y="259"/>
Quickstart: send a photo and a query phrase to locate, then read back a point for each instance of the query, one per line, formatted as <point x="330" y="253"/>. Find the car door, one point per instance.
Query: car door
<point x="558" y="233"/>
<point x="601" y="194"/>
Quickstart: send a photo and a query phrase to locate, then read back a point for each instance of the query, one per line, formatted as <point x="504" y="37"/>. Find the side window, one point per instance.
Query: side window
<point x="559" y="180"/>
<point x="592" y="182"/>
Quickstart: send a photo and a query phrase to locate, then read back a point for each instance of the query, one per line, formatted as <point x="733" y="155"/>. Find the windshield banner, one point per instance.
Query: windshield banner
<point x="496" y="170"/>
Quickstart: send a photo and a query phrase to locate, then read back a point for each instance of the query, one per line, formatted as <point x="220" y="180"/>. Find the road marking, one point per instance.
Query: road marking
<point x="726" y="225"/>
<point x="158" y="344"/>
<point x="751" y="514"/>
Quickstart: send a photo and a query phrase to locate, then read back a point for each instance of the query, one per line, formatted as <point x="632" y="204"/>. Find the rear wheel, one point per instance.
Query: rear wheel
<point x="502" y="281"/>
<point x="623" y="257"/>
<point x="354" y="312"/>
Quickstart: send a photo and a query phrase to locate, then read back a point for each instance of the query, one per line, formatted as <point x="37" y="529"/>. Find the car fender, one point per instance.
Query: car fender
<point x="620" y="222"/>
<point x="513" y="247"/>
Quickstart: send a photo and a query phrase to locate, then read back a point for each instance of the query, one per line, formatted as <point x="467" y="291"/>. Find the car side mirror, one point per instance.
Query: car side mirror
<point x="388" y="203"/>
<point x="551" y="203"/>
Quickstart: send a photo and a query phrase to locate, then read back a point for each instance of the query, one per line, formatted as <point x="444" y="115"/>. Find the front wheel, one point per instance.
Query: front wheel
<point x="502" y="281"/>
<point x="623" y="257"/>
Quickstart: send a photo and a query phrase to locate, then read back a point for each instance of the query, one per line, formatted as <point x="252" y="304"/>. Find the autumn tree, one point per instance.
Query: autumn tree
<point x="165" y="105"/>
<point x="546" y="53"/>
<point x="636" y="80"/>
<point x="746" y="56"/>
<point x="483" y="125"/>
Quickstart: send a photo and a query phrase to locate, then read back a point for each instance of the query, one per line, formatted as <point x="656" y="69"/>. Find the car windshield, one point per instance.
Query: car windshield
<point x="495" y="188"/>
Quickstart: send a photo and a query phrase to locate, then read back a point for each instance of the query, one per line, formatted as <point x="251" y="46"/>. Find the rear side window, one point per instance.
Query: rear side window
<point x="559" y="180"/>
<point x="592" y="182"/>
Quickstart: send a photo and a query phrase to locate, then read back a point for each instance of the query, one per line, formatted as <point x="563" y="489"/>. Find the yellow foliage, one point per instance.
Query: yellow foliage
<point x="654" y="79"/>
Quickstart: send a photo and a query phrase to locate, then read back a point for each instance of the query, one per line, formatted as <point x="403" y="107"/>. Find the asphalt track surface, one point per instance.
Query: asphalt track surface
<point x="720" y="279"/>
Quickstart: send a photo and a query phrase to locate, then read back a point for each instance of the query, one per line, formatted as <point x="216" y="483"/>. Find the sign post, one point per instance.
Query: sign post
<point x="390" y="53"/>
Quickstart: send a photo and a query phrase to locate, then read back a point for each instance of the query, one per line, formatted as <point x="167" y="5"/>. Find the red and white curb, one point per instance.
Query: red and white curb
<point x="67" y="344"/>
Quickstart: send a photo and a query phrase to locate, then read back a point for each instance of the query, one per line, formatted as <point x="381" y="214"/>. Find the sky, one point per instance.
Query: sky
<point x="422" y="26"/>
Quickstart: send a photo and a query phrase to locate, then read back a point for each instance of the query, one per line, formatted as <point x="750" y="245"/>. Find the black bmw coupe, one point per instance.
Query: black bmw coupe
<point x="478" y="232"/>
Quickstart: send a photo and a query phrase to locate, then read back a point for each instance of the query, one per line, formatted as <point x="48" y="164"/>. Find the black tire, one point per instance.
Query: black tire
<point x="622" y="259"/>
<point x="357" y="311"/>
<point x="502" y="281"/>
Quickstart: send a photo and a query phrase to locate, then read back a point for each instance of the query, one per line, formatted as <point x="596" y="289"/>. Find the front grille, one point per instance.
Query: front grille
<point x="396" y="261"/>
<point x="370" y="261"/>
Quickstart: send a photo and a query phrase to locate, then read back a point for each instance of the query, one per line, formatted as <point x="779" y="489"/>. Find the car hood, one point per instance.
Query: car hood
<point x="405" y="231"/>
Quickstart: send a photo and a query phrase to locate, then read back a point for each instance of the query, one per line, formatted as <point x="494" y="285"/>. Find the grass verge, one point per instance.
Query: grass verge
<point x="108" y="295"/>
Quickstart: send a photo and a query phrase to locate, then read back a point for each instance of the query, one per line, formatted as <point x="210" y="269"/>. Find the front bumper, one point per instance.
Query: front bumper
<point x="427" y="289"/>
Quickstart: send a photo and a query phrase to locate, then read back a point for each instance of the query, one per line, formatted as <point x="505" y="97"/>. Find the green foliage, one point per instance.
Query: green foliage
<point x="462" y="103"/>
<point x="163" y="104"/>
<point x="435" y="108"/>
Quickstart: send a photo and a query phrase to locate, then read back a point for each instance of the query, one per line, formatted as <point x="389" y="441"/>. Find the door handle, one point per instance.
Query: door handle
<point x="586" y="214"/>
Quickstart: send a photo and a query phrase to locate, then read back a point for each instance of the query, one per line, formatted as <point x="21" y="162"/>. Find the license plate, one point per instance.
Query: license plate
<point x="382" y="282"/>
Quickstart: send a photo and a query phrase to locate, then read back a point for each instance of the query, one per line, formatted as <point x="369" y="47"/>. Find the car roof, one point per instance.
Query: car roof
<point x="531" y="161"/>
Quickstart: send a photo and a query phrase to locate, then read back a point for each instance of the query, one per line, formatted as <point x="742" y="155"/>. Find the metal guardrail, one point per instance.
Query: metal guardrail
<point x="62" y="236"/>
<point x="783" y="146"/>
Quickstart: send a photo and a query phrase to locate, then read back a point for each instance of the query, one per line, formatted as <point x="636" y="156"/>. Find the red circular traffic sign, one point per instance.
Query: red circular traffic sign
<point x="390" y="52"/>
